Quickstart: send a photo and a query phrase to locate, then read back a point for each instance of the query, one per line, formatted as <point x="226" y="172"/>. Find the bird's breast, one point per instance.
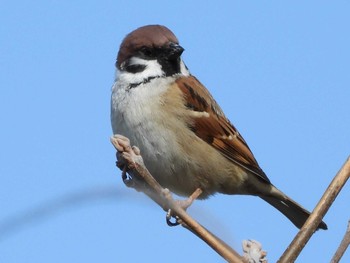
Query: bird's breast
<point x="152" y="116"/>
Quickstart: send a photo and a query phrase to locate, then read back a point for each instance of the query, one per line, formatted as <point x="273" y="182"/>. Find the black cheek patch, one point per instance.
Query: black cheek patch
<point x="136" y="68"/>
<point x="170" y="67"/>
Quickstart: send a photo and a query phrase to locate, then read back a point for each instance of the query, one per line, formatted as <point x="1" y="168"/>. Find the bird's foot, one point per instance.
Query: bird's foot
<point x="184" y="204"/>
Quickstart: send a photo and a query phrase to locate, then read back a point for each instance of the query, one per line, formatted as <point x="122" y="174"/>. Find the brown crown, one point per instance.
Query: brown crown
<point x="146" y="36"/>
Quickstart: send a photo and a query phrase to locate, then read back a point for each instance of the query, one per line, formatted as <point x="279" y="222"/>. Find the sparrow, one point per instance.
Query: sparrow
<point x="185" y="139"/>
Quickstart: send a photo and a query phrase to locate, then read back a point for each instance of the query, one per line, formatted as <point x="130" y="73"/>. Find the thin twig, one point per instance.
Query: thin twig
<point x="343" y="246"/>
<point x="310" y="226"/>
<point x="139" y="173"/>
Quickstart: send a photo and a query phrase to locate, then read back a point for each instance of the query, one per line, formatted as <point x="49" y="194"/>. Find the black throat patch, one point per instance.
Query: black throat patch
<point x="144" y="81"/>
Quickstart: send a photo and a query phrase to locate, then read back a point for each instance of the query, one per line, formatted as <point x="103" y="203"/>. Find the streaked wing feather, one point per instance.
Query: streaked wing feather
<point x="215" y="128"/>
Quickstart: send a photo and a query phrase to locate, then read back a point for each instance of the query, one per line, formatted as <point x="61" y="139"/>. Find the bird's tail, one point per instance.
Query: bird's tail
<point x="292" y="210"/>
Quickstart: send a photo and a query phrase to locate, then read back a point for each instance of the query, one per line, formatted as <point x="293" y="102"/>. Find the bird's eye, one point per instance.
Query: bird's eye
<point x="147" y="52"/>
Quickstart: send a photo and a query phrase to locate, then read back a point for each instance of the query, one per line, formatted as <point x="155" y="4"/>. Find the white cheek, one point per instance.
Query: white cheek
<point x="183" y="69"/>
<point x="153" y="69"/>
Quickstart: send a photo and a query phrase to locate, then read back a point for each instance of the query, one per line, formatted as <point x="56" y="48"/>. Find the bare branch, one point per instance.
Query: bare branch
<point x="310" y="226"/>
<point x="143" y="181"/>
<point x="343" y="246"/>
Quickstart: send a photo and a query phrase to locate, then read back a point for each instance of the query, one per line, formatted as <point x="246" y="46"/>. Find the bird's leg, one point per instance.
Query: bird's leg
<point x="184" y="204"/>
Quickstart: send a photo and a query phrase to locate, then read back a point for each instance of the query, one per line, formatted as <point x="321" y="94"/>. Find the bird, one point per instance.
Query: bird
<point x="185" y="139"/>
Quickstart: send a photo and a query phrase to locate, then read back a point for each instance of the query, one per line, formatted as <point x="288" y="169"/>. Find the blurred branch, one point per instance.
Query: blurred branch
<point x="130" y="160"/>
<point x="343" y="246"/>
<point x="310" y="226"/>
<point x="12" y="224"/>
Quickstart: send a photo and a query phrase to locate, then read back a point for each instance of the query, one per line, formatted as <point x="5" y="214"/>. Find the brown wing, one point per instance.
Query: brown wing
<point x="214" y="128"/>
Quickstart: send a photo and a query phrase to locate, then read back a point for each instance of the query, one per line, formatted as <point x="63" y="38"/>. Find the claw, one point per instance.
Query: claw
<point x="184" y="204"/>
<point x="169" y="216"/>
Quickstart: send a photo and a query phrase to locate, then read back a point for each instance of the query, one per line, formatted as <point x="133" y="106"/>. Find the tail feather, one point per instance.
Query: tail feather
<point x="292" y="210"/>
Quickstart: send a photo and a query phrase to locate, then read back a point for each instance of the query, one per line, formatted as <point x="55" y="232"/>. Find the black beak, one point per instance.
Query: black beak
<point x="174" y="51"/>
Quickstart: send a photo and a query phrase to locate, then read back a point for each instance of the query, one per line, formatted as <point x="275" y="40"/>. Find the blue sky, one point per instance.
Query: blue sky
<point x="279" y="70"/>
